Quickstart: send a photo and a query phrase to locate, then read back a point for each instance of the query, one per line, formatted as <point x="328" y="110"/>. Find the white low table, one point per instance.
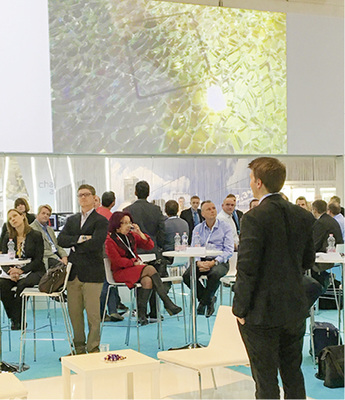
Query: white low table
<point x="92" y="365"/>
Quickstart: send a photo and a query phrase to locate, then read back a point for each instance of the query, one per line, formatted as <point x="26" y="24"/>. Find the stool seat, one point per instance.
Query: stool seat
<point x="11" y="387"/>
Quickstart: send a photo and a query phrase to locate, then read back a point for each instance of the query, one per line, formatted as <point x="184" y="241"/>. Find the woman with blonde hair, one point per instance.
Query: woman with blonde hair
<point x="28" y="244"/>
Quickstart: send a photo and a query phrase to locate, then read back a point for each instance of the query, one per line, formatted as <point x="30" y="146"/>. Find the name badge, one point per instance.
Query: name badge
<point x="54" y="249"/>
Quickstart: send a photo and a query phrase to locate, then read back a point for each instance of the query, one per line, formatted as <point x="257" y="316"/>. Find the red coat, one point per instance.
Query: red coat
<point x="123" y="268"/>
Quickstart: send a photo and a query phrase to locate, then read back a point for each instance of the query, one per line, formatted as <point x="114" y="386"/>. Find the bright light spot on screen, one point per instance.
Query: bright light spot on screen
<point x="215" y="98"/>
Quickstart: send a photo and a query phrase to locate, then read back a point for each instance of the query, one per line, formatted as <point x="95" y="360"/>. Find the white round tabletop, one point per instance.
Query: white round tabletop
<point x="193" y="252"/>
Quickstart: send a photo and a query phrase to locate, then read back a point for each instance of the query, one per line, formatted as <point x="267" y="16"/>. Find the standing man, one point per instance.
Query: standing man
<point x="276" y="246"/>
<point x="301" y="201"/>
<point x="231" y="216"/>
<point x="192" y="215"/>
<point x="114" y="301"/>
<point x="150" y="219"/>
<point x="52" y="251"/>
<point x="217" y="234"/>
<point x="85" y="233"/>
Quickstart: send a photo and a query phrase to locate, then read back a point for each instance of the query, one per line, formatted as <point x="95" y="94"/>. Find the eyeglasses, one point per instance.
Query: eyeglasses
<point x="80" y="195"/>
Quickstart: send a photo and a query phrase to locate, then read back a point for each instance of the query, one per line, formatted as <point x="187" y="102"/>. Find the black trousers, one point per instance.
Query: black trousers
<point x="205" y="294"/>
<point x="12" y="300"/>
<point x="272" y="349"/>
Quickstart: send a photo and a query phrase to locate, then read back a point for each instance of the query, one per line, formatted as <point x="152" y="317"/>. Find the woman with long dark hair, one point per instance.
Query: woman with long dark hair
<point x="28" y="244"/>
<point x="121" y="247"/>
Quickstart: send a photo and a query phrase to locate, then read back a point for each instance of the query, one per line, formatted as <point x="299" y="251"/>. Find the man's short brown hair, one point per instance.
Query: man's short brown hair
<point x="320" y="206"/>
<point x="230" y="196"/>
<point x="171" y="208"/>
<point x="88" y="187"/>
<point x="334" y="207"/>
<point x="270" y="171"/>
<point x="194" y="197"/>
<point x="47" y="206"/>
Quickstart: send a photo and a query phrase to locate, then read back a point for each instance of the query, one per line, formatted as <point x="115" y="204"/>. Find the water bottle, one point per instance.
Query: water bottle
<point x="197" y="240"/>
<point x="331" y="244"/>
<point x="177" y="241"/>
<point x="10" y="249"/>
<point x="184" y="241"/>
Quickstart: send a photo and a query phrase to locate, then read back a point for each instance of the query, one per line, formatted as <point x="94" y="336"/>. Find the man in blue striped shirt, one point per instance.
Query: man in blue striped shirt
<point x="216" y="235"/>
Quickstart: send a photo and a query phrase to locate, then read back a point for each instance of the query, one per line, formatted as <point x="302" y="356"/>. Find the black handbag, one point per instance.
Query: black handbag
<point x="331" y="366"/>
<point x="53" y="280"/>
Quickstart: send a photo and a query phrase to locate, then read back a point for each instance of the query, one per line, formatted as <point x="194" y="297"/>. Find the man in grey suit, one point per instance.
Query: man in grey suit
<point x="52" y="251"/>
<point x="150" y="219"/>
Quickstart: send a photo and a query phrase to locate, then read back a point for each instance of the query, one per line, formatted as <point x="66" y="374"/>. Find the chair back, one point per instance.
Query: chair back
<point x="232" y="264"/>
<point x="108" y="274"/>
<point x="226" y="336"/>
<point x="68" y="271"/>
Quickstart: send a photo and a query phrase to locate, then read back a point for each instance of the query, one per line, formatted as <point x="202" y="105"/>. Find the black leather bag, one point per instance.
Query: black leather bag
<point x="331" y="366"/>
<point x="53" y="280"/>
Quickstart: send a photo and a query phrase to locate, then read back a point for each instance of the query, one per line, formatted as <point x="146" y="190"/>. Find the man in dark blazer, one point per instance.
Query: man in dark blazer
<point x="276" y="247"/>
<point x="85" y="233"/>
<point x="192" y="215"/>
<point x="150" y="219"/>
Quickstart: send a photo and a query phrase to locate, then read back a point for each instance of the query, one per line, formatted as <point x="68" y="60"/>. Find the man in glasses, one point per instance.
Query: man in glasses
<point x="85" y="233"/>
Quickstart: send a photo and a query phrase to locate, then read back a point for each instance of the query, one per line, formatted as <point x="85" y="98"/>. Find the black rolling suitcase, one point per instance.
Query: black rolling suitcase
<point x="324" y="334"/>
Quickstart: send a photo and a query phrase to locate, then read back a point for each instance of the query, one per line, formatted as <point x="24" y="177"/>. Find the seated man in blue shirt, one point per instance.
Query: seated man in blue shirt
<point x="218" y="235"/>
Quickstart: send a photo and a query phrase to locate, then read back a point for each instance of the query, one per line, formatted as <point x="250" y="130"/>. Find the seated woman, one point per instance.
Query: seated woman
<point x="23" y="207"/>
<point x="28" y="244"/>
<point x="121" y="247"/>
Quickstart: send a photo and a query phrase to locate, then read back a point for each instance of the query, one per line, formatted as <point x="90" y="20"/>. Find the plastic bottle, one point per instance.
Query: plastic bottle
<point x="331" y="243"/>
<point x="197" y="240"/>
<point x="184" y="241"/>
<point x="177" y="241"/>
<point x="10" y="249"/>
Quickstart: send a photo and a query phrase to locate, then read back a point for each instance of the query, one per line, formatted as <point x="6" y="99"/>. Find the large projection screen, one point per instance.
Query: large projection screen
<point x="150" y="77"/>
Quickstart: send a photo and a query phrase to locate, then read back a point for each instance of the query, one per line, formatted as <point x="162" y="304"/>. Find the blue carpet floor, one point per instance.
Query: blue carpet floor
<point x="47" y="362"/>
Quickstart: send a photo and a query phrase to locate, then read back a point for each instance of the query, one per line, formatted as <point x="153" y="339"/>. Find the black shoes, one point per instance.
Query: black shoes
<point x="210" y="307"/>
<point x="201" y="309"/>
<point x="122" y="307"/>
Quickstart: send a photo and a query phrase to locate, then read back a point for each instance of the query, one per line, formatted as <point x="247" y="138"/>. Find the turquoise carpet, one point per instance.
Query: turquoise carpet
<point x="47" y="363"/>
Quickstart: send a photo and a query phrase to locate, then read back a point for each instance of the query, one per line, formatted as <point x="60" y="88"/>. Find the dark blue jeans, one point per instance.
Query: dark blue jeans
<point x="113" y="299"/>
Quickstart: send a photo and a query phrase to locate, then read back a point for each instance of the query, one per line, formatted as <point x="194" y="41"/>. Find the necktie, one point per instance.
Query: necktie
<point x="195" y="218"/>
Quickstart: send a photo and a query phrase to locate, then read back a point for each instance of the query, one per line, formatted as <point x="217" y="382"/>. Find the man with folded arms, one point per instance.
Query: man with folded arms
<point x="217" y="235"/>
<point x="85" y="233"/>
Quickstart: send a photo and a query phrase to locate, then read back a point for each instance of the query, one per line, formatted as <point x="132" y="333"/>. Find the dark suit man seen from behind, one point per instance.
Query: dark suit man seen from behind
<point x="150" y="219"/>
<point x="276" y="247"/>
<point x="53" y="253"/>
<point x="192" y="215"/>
<point x="85" y="233"/>
<point x="148" y="216"/>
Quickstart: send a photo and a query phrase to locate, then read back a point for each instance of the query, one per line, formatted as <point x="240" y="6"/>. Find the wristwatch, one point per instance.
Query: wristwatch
<point x="84" y="237"/>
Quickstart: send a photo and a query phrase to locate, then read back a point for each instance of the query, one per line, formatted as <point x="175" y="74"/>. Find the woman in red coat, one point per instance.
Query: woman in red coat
<point x="121" y="247"/>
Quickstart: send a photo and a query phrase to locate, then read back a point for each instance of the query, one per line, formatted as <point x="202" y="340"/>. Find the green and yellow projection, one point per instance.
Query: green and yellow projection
<point x="151" y="77"/>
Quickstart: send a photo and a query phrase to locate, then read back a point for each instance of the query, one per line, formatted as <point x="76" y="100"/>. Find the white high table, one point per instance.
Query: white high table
<point x="90" y="366"/>
<point x="6" y="261"/>
<point x="191" y="253"/>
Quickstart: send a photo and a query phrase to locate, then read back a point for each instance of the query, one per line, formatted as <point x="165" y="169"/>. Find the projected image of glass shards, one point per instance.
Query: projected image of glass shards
<point x="150" y="77"/>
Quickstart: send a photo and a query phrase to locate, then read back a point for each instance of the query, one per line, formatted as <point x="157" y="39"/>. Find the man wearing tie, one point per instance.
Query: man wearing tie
<point x="52" y="251"/>
<point x="192" y="215"/>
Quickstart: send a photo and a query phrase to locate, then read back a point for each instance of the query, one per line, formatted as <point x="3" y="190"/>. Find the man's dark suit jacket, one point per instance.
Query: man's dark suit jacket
<point x="276" y="247"/>
<point x="150" y="219"/>
<point x="187" y="215"/>
<point x="321" y="230"/>
<point x="87" y="257"/>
